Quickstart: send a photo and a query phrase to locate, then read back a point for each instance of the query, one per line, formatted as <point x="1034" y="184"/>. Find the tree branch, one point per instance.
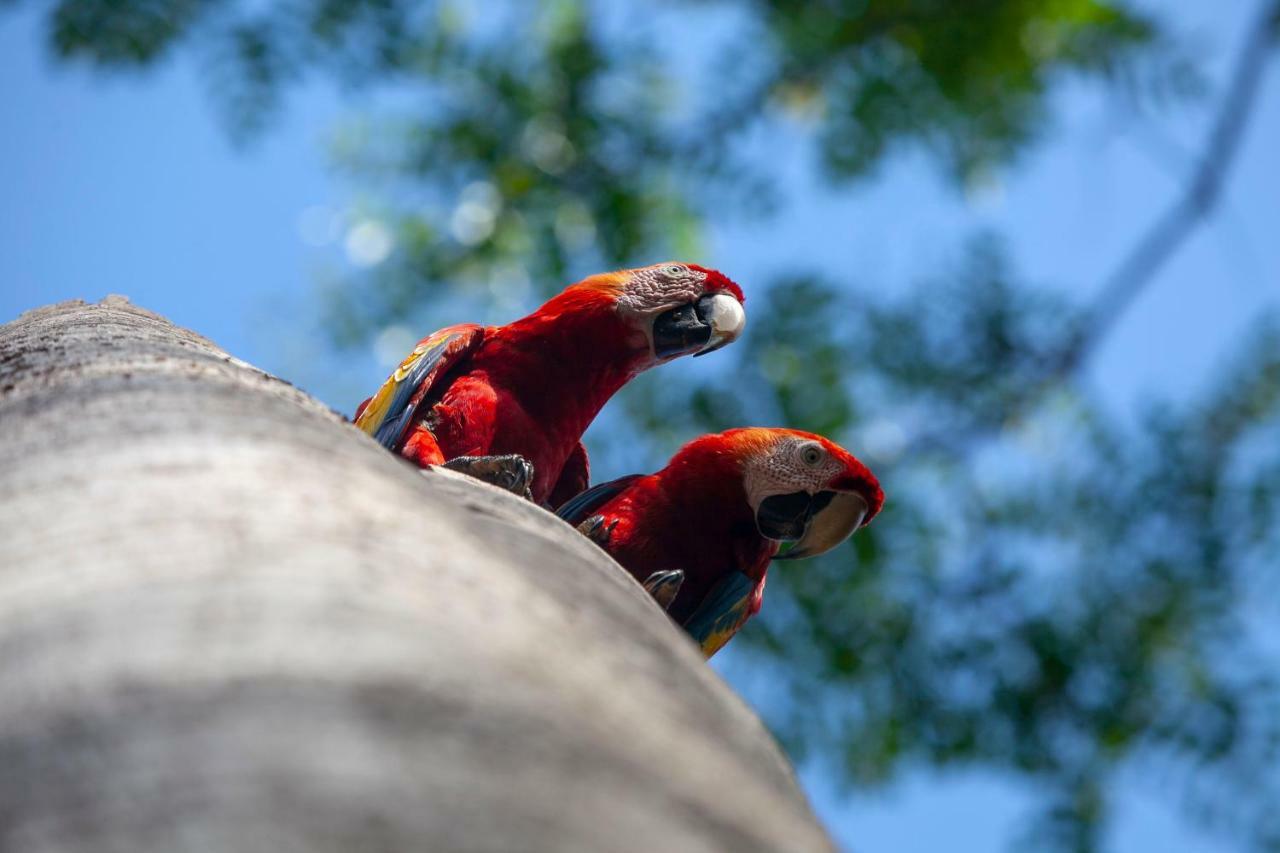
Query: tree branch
<point x="230" y="621"/>
<point x="1160" y="242"/>
<point x="1167" y="234"/>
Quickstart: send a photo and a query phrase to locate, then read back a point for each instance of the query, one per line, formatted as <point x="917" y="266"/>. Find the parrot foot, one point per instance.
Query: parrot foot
<point x="664" y="586"/>
<point x="596" y="530"/>
<point x="511" y="472"/>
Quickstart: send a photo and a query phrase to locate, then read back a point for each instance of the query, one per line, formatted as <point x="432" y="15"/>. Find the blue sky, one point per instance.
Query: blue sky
<point x="130" y="185"/>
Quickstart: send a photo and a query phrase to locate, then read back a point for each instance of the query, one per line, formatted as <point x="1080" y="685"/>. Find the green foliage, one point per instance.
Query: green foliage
<point x="122" y="33"/>
<point x="965" y="79"/>
<point x="1048" y="592"/>
<point x="549" y="139"/>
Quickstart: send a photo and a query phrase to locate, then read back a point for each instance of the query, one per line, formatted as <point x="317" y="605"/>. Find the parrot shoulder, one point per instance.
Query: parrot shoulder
<point x="389" y="413"/>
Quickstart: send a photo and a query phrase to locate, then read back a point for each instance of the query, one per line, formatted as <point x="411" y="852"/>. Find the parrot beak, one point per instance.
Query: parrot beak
<point x="830" y="518"/>
<point x="784" y="518"/>
<point x="726" y="318"/>
<point x="715" y="320"/>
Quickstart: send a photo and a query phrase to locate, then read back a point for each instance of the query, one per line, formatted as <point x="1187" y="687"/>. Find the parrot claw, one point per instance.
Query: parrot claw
<point x="664" y="586"/>
<point x="511" y="472"/>
<point x="595" y="529"/>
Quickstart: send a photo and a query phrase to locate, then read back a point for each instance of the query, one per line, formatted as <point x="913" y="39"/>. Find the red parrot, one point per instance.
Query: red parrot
<point x="497" y="401"/>
<point x="700" y="533"/>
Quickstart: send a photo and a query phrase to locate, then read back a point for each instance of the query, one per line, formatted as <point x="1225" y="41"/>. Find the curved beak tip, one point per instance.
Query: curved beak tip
<point x="834" y="524"/>
<point x="727" y="319"/>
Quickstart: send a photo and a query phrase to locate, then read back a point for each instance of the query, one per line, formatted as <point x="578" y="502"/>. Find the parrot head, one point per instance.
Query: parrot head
<point x="673" y="309"/>
<point x="805" y="489"/>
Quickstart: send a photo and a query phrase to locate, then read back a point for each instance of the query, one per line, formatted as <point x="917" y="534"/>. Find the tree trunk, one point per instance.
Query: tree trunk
<point x="229" y="621"/>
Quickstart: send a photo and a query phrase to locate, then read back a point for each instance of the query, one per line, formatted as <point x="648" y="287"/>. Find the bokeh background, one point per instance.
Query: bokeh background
<point x="1022" y="256"/>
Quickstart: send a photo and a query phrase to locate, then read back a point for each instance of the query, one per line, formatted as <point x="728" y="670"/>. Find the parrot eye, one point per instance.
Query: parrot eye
<point x="673" y="269"/>
<point x="811" y="455"/>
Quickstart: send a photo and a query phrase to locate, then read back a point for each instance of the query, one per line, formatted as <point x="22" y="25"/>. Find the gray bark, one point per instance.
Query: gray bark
<point x="231" y="622"/>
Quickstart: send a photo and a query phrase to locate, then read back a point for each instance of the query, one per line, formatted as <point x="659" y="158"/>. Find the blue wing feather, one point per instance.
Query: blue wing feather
<point x="722" y="610"/>
<point x="576" y="509"/>
<point x="388" y="415"/>
<point x="389" y="433"/>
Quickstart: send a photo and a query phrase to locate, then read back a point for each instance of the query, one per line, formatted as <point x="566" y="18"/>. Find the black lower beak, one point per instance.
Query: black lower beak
<point x="785" y="518"/>
<point x="679" y="331"/>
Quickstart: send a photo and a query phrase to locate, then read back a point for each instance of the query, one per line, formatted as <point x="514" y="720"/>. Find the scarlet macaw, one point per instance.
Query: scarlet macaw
<point x="496" y="401"/>
<point x="700" y="533"/>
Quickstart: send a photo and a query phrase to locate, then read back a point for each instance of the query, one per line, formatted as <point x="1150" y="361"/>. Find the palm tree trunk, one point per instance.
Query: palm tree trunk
<point x="231" y="622"/>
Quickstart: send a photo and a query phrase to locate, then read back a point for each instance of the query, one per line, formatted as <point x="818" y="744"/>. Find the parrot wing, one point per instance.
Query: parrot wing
<point x="578" y="508"/>
<point x="721" y="612"/>
<point x="388" y="414"/>
<point x="575" y="476"/>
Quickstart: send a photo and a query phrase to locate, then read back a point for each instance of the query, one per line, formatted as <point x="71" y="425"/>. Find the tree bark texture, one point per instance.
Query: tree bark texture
<point x="229" y="621"/>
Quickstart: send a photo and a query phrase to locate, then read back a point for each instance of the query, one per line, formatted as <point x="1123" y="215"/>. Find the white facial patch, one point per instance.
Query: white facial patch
<point x="791" y="465"/>
<point x="661" y="287"/>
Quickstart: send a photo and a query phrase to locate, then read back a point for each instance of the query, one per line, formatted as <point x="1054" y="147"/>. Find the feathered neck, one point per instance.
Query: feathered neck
<point x="565" y="360"/>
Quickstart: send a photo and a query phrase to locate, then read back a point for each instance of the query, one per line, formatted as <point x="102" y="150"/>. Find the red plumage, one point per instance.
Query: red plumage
<point x="533" y="386"/>
<point x="696" y="515"/>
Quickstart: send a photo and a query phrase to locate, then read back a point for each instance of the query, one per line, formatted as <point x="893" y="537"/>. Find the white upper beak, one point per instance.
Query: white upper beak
<point x="834" y="524"/>
<point x="727" y="321"/>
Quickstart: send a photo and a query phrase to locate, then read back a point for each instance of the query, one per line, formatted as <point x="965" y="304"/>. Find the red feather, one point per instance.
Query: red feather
<point x="532" y="387"/>
<point x="694" y="515"/>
